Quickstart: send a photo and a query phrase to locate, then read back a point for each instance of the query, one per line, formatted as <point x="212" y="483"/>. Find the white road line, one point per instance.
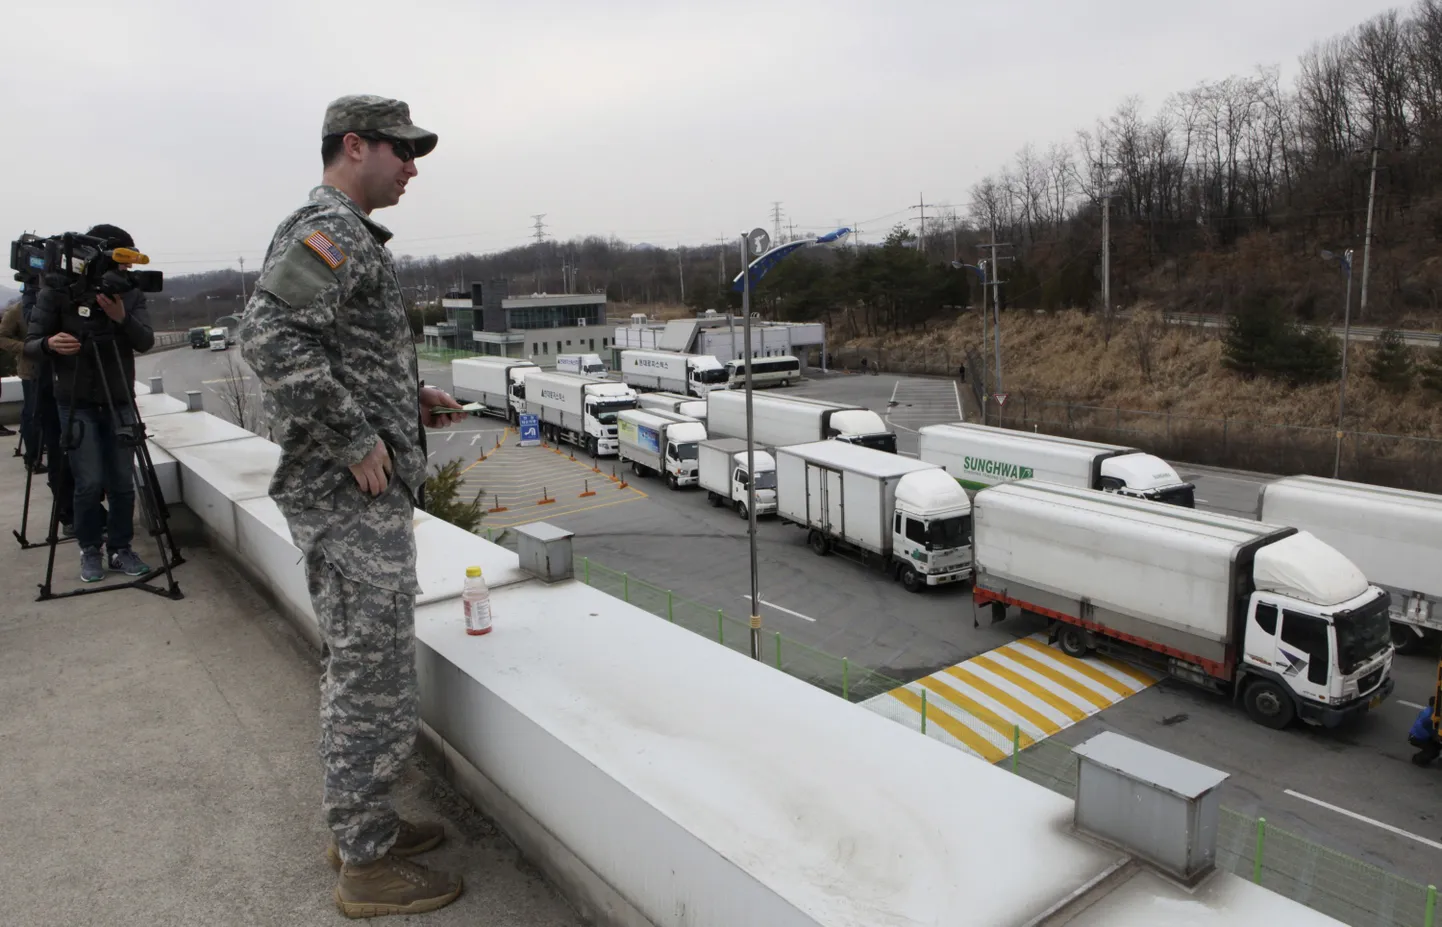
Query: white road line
<point x="1402" y="701"/>
<point x="1202" y="502"/>
<point x="894" y="387"/>
<point x="474" y="439"/>
<point x="780" y="609"/>
<point x="1366" y="820"/>
<point x="450" y="436"/>
<point x="956" y="391"/>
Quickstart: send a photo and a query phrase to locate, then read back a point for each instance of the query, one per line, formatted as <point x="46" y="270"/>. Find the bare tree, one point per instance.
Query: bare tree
<point x="241" y="402"/>
<point x="1145" y="331"/>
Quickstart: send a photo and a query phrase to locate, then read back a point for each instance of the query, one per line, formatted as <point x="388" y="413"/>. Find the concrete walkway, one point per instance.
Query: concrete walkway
<point x="158" y="762"/>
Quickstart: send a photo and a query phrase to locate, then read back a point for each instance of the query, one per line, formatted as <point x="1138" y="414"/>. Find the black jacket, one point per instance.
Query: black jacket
<point x="77" y="376"/>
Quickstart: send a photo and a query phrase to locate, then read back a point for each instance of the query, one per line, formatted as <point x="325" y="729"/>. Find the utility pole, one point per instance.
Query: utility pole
<point x="775" y="225"/>
<point x="921" y="226"/>
<point x="750" y="450"/>
<point x="1107" y="258"/>
<point x="1371" y="199"/>
<point x="721" y="279"/>
<point x="790" y="230"/>
<point x="681" y="271"/>
<point x="243" y="297"/>
<point x="995" y="283"/>
<point x="856" y="236"/>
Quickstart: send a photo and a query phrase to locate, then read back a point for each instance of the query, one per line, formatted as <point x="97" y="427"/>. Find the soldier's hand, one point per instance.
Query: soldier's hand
<point x="64" y="343"/>
<point x="434" y="403"/>
<point x="374" y="470"/>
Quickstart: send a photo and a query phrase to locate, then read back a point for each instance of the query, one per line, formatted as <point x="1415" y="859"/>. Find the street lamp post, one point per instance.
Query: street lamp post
<point x="1345" y="259"/>
<point x="757" y="242"/>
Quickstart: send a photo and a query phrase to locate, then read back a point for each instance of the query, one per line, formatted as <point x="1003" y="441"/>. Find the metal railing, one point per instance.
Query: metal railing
<point x="1287" y="863"/>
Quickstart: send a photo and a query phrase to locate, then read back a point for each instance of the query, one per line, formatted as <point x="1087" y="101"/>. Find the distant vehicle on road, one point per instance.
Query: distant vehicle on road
<point x="199" y="338"/>
<point x="765" y="371"/>
<point x="724" y="476"/>
<point x="662" y="443"/>
<point x="588" y="364"/>
<point x="219" y="339"/>
<point x="778" y="421"/>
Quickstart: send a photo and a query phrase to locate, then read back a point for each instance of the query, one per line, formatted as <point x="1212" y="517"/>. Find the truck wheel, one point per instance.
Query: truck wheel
<point x="671" y="481"/>
<point x="591" y="446"/>
<point x="714" y="499"/>
<point x="1404" y="639"/>
<point x="637" y="469"/>
<point x="1268" y="705"/>
<point x="741" y="510"/>
<point x="1073" y="641"/>
<point x="911" y="580"/>
<point x="819" y="543"/>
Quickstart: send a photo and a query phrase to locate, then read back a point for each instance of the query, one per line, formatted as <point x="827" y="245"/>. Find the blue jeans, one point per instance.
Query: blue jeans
<point x="101" y="467"/>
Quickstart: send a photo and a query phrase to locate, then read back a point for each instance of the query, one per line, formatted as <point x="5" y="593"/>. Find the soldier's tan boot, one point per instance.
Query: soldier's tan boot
<point x="411" y="839"/>
<point x="392" y="885"/>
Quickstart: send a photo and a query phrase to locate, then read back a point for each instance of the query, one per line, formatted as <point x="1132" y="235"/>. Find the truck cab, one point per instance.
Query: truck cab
<point x="518" y="392"/>
<point x="1145" y="476"/>
<point x="219" y="340"/>
<point x="931" y="530"/>
<point x="765" y="484"/>
<point x="199" y="337"/>
<point x="588" y="364"/>
<point x="600" y="424"/>
<point x="861" y="426"/>
<point x="1333" y="659"/>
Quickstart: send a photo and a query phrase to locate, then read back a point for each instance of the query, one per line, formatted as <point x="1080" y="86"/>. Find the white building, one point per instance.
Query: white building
<point x="535" y="327"/>
<point x="723" y="337"/>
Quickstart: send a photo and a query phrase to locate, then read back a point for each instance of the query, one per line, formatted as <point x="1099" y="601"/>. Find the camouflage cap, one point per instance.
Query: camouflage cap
<point x="377" y="115"/>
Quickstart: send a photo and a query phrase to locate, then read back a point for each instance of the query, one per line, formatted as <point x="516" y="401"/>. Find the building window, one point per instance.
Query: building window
<point x="533" y="348"/>
<point x="593" y="344"/>
<point x="568" y="342"/>
<point x="603" y="343"/>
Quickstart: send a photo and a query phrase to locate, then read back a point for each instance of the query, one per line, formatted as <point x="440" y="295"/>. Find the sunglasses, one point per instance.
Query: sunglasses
<point x="404" y="150"/>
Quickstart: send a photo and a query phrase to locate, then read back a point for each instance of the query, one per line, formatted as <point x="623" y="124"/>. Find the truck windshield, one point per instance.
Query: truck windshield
<point x="605" y="412"/>
<point x="713" y="375"/>
<point x="1362" y="634"/>
<point x="687" y="451"/>
<point x="766" y="479"/>
<point x="1184" y="496"/>
<point x="886" y="441"/>
<point x="947" y="533"/>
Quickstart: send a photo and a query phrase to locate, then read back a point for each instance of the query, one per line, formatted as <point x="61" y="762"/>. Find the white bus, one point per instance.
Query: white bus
<point x="765" y="371"/>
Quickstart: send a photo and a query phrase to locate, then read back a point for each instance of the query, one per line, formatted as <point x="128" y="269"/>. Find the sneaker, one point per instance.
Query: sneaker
<point x="126" y="561"/>
<point x="392" y="885"/>
<point x="92" y="567"/>
<point x="67" y="529"/>
<point x="410" y="840"/>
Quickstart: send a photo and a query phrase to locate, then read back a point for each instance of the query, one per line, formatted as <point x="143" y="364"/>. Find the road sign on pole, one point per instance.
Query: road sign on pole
<point x="530" y="430"/>
<point x="1000" y="398"/>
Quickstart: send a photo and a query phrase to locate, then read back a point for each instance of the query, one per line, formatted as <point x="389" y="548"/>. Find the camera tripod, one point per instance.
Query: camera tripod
<point x="129" y="432"/>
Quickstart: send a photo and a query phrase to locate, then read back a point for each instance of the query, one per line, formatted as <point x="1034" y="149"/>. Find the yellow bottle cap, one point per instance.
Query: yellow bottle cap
<point x="473" y="571"/>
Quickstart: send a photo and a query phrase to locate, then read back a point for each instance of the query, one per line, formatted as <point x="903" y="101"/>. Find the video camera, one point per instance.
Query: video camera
<point x="81" y="265"/>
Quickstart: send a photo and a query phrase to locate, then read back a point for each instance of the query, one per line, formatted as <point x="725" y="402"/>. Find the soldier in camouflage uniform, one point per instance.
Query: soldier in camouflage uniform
<point x="327" y="335"/>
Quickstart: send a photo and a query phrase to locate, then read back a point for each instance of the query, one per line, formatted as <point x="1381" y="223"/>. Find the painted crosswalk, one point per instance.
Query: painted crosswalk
<point x="916" y="403"/>
<point x="1013" y="696"/>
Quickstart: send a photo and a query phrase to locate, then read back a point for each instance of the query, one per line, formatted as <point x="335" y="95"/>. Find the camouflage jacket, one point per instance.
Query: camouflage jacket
<point x="327" y="335"/>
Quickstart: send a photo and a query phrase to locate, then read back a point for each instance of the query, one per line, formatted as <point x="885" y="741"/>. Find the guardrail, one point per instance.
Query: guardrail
<point x="1287" y="863"/>
<point x="1357" y="333"/>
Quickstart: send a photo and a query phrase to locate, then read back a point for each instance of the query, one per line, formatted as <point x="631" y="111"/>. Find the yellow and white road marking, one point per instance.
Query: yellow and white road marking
<point x="1024" y="689"/>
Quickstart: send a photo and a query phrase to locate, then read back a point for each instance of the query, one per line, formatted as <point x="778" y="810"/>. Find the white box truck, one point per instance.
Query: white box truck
<point x="724" y="476"/>
<point x="673" y="402"/>
<point x="219" y="339"/>
<point x="589" y="364"/>
<point x="661" y="443"/>
<point x="778" y="421"/>
<point x="909" y="516"/>
<point x="984" y="455"/>
<point x="1393" y="535"/>
<point x="491" y="381"/>
<point x="672" y="372"/>
<point x="1265" y="614"/>
<point x="577" y="409"/>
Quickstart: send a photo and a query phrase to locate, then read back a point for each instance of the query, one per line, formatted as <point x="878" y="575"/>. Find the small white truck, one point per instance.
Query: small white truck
<point x="578" y="410"/>
<point x="778" y="421"/>
<point x="219" y="339"/>
<point x="724" y="476"/>
<point x="908" y="516"/>
<point x="661" y="443"/>
<point x="1393" y="535"/>
<point x="672" y="372"/>
<point x="490" y="381"/>
<point x="589" y="364"/>
<point x="1264" y="614"/>
<point x="983" y="455"/>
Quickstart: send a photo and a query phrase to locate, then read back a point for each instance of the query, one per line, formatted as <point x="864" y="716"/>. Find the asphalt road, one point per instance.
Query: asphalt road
<point x="676" y="540"/>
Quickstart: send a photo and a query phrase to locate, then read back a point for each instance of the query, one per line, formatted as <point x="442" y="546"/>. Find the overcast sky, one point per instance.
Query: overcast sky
<point x="196" y="125"/>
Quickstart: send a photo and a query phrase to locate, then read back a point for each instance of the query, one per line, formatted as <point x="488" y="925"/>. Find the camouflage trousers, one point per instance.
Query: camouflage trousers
<point x="360" y="566"/>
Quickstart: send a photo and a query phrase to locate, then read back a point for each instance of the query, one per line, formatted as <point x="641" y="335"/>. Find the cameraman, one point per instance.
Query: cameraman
<point x="100" y="463"/>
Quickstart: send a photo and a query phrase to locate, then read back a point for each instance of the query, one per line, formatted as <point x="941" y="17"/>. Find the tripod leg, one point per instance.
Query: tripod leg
<point x="25" y="512"/>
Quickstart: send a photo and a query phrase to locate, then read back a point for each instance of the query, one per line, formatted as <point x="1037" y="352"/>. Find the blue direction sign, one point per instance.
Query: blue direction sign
<point x="530" y="430"/>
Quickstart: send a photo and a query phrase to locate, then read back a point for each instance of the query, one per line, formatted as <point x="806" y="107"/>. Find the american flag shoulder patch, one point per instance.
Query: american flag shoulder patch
<point x="325" y="249"/>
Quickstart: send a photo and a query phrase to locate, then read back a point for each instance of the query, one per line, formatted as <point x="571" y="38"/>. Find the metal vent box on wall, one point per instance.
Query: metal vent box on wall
<point x="545" y="551"/>
<point x="1158" y="806"/>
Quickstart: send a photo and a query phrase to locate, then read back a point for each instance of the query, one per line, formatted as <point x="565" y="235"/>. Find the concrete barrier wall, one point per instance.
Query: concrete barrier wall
<point x="661" y="779"/>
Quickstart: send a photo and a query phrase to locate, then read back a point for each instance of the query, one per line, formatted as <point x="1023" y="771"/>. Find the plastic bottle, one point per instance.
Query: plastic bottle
<point x="476" y="601"/>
